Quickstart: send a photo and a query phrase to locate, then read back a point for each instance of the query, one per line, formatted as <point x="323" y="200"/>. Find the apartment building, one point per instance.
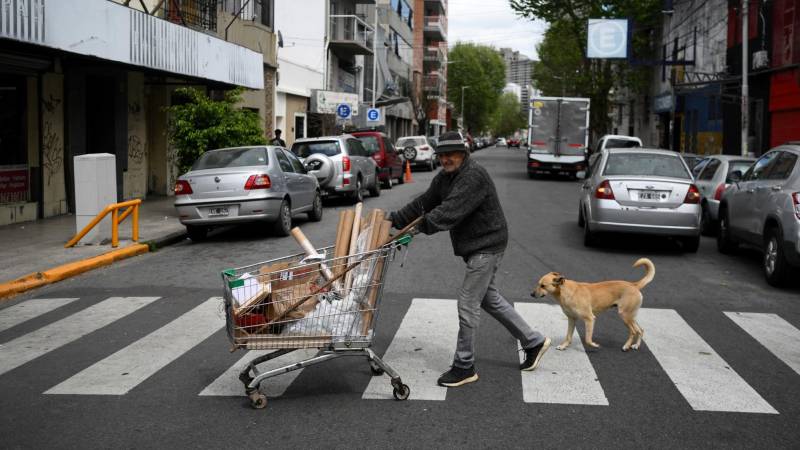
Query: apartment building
<point x="95" y="76"/>
<point x="430" y="60"/>
<point x="519" y="71"/>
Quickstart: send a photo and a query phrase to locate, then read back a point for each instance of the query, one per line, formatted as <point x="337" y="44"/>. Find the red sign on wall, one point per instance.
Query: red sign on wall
<point x="13" y="184"/>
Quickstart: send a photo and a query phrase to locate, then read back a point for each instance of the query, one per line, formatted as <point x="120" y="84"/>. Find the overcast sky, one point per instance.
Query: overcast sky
<point x="493" y="22"/>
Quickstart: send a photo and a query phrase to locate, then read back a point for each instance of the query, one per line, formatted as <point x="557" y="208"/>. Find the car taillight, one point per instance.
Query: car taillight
<point x="182" y="187"/>
<point x="604" y="191"/>
<point x="346" y="163"/>
<point x="796" y="201"/>
<point x="692" y="195"/>
<point x="261" y="181"/>
<point x="534" y="164"/>
<point x="720" y="190"/>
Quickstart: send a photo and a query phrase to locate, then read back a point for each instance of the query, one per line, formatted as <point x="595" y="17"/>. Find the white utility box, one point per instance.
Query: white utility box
<point x="95" y="188"/>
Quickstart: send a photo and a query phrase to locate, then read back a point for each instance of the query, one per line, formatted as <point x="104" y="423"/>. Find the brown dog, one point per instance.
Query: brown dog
<point x="585" y="300"/>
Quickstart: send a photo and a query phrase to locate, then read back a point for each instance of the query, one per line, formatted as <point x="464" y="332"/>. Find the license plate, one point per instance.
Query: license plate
<point x="650" y="195"/>
<point x="556" y="166"/>
<point x="212" y="212"/>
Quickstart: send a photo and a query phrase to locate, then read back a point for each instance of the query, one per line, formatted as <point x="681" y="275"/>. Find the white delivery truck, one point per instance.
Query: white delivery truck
<point x="558" y="134"/>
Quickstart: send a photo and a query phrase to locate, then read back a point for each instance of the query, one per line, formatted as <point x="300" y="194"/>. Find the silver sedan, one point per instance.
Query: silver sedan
<point x="647" y="191"/>
<point x="246" y="184"/>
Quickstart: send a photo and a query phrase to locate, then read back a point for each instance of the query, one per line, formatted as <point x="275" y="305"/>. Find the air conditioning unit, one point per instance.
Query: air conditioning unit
<point x="760" y="59"/>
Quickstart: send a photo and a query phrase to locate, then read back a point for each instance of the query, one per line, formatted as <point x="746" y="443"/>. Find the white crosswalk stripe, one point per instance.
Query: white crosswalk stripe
<point x="774" y="333"/>
<point x="27" y="310"/>
<point x="421" y="350"/>
<point x="228" y="383"/>
<point x="57" y="334"/>
<point x="567" y="376"/>
<point x="704" y="379"/>
<point x="125" y="369"/>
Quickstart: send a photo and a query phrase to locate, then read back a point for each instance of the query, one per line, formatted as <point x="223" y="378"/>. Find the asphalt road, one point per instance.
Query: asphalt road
<point x="690" y="386"/>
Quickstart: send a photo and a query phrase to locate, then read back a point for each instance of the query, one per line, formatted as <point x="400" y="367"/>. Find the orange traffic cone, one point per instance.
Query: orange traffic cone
<point x="407" y="178"/>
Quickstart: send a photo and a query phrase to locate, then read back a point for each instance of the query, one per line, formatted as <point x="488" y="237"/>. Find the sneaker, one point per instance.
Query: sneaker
<point x="534" y="355"/>
<point x="457" y="376"/>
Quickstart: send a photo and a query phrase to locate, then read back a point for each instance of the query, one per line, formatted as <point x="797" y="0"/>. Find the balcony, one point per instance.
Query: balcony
<point x="433" y="85"/>
<point x="434" y="56"/>
<point x="436" y="27"/>
<point x="200" y="15"/>
<point x="440" y="4"/>
<point x="349" y="36"/>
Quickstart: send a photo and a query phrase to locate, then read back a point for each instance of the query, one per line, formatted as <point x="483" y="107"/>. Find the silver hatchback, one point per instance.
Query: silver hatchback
<point x="245" y="184"/>
<point x="762" y="209"/>
<point x="646" y="191"/>
<point x="712" y="179"/>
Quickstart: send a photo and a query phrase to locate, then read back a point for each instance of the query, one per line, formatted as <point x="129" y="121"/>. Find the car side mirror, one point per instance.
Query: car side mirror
<point x="734" y="177"/>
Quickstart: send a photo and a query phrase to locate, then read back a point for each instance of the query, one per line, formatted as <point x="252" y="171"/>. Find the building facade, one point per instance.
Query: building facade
<point x="519" y="71"/>
<point x="72" y="84"/>
<point x="430" y="61"/>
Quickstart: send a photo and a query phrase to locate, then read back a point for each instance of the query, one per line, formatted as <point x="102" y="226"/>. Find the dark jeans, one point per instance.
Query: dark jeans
<point x="479" y="291"/>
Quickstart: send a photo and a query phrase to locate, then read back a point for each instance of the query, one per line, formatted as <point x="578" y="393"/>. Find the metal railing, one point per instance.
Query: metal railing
<point x="433" y="83"/>
<point x="438" y="22"/>
<point x="349" y="28"/>
<point x="434" y="54"/>
<point x="197" y="14"/>
<point x="116" y="219"/>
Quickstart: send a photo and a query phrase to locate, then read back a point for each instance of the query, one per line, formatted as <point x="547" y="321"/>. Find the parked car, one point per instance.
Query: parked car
<point x="513" y="142"/>
<point x="617" y="141"/>
<point x="647" y="191"/>
<point x="341" y="165"/>
<point x="762" y="209"/>
<point x="501" y="142"/>
<point x="246" y="184"/>
<point x="389" y="161"/>
<point x="418" y="151"/>
<point x="712" y="177"/>
<point x="692" y="160"/>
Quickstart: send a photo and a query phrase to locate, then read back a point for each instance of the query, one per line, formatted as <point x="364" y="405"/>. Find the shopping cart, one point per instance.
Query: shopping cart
<point x="300" y="302"/>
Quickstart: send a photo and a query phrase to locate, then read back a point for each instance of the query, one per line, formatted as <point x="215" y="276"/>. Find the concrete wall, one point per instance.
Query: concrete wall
<point x="159" y="176"/>
<point x="52" y="102"/>
<point x="135" y="178"/>
<point x="294" y="105"/>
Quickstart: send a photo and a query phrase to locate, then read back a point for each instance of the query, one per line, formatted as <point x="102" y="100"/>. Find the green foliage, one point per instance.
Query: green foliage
<point x="507" y="117"/>
<point x="562" y="65"/>
<point x="198" y="123"/>
<point x="482" y="69"/>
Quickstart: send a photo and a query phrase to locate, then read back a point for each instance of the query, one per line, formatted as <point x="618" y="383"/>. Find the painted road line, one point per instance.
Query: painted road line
<point x="35" y="344"/>
<point x="774" y="333"/>
<point x="27" y="310"/>
<point x="421" y="350"/>
<point x="563" y="377"/>
<point x="704" y="379"/>
<point x="125" y="369"/>
<point x="228" y="383"/>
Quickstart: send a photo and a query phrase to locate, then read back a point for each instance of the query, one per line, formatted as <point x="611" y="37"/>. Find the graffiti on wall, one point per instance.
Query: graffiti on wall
<point x="51" y="151"/>
<point x="136" y="149"/>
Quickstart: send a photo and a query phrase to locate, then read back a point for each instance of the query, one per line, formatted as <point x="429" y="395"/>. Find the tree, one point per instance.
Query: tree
<point x="562" y="54"/>
<point x="198" y="123"/>
<point x="507" y="118"/>
<point x="481" y="68"/>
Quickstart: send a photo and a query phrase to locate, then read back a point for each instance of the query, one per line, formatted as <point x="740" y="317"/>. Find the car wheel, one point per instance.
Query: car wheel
<point x="581" y="220"/>
<point x="388" y="183"/>
<point x="283" y="226"/>
<point x="725" y="243"/>
<point x="707" y="225"/>
<point x="315" y="215"/>
<point x="691" y="244"/>
<point x="196" y="233"/>
<point x="375" y="190"/>
<point x="589" y="237"/>
<point x="776" y="268"/>
<point x="358" y="195"/>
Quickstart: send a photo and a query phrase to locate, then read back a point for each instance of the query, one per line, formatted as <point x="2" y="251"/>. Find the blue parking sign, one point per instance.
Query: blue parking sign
<point x="373" y="114"/>
<point x="343" y="111"/>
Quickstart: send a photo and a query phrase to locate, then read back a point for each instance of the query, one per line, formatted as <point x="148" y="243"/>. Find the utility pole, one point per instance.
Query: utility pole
<point x="375" y="57"/>
<point x="745" y="88"/>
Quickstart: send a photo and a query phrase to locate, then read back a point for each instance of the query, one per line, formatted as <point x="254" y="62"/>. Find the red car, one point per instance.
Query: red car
<point x="513" y="142"/>
<point x="390" y="164"/>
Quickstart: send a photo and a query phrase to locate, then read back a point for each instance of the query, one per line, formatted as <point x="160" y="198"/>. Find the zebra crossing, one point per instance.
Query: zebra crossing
<point x="420" y="349"/>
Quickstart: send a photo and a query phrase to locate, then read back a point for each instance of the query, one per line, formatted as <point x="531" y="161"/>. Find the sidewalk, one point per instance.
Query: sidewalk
<point x="32" y="247"/>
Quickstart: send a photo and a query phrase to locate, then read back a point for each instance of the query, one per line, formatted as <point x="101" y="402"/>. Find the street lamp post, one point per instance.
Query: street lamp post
<point x="462" y="103"/>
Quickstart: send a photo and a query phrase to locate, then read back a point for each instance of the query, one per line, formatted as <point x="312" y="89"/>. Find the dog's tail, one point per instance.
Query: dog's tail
<point x="648" y="276"/>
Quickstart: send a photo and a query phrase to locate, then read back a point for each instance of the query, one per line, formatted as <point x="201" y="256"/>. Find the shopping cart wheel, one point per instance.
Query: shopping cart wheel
<point x="376" y="369"/>
<point x="257" y="400"/>
<point x="402" y="392"/>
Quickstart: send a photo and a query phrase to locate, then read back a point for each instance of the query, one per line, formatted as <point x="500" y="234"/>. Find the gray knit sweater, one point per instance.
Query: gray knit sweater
<point x="464" y="202"/>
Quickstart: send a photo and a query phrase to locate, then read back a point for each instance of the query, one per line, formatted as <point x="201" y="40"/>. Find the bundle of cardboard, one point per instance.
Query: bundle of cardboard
<point x="331" y="296"/>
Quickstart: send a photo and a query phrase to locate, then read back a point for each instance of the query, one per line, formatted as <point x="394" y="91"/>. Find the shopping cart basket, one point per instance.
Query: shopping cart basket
<point x="301" y="302"/>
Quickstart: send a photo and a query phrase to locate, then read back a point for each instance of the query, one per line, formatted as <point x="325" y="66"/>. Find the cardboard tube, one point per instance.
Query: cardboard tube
<point x="305" y="244"/>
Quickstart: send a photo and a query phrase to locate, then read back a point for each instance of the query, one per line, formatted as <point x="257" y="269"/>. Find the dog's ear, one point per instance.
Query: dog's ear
<point x="558" y="280"/>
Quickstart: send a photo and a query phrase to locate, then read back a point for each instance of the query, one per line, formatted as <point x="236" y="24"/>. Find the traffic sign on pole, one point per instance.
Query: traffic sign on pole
<point x="373" y="115"/>
<point x="607" y="38"/>
<point x="343" y="111"/>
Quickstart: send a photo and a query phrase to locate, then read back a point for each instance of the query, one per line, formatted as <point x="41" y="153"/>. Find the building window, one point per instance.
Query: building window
<point x="406" y="13"/>
<point x="201" y="14"/>
<point x="261" y="11"/>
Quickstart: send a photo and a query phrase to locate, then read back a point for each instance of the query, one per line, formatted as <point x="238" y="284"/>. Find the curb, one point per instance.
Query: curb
<point x="62" y="272"/>
<point x="164" y="241"/>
